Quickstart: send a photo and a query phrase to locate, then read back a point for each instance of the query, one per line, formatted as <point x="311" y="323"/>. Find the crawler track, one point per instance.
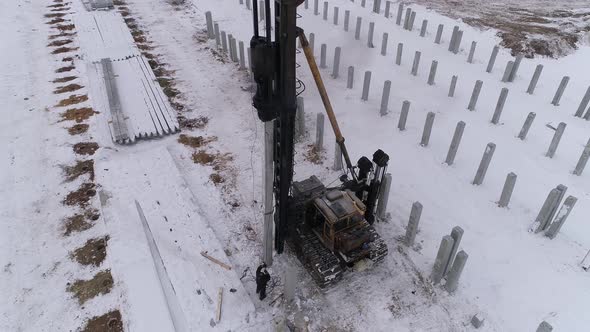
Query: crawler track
<point x="378" y="247"/>
<point x="323" y="266"/>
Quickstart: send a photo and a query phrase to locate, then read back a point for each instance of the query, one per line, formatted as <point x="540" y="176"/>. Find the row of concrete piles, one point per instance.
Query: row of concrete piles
<point x="449" y="263"/>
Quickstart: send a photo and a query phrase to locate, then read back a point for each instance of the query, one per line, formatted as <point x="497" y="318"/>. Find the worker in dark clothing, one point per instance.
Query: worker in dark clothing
<point x="262" y="278"/>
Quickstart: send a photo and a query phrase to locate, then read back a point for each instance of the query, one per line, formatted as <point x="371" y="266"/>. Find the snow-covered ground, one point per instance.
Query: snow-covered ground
<point x="513" y="278"/>
<point x="35" y="254"/>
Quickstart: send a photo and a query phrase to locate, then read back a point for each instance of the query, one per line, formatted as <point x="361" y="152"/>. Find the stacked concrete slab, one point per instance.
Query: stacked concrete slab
<point x="118" y="126"/>
<point x="101" y="4"/>
<point x="122" y="80"/>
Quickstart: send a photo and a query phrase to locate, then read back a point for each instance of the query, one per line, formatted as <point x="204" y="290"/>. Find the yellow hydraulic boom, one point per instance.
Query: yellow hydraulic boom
<point x="325" y="99"/>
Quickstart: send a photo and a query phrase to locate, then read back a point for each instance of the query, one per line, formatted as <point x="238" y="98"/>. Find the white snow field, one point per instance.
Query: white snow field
<point x="34" y="255"/>
<point x="513" y="279"/>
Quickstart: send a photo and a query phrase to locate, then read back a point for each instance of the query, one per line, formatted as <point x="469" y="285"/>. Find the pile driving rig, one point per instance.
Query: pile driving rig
<point x="330" y="229"/>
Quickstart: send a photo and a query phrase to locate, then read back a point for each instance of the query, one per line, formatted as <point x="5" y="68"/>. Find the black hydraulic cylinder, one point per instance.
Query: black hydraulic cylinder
<point x="285" y="37"/>
<point x="380" y="159"/>
<point x="264" y="64"/>
<point x="255" y="18"/>
<point x="267" y="19"/>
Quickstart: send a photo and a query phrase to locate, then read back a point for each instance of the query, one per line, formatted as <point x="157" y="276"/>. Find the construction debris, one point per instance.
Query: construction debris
<point x="477" y="321"/>
<point x="276" y="299"/>
<point x="219" y="303"/>
<point x="215" y="260"/>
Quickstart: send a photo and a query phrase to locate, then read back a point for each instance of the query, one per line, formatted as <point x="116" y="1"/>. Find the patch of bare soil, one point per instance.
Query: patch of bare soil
<point x="65" y="27"/>
<point x="140" y="39"/>
<point x="197" y="123"/>
<point x="60" y="42"/>
<point x="528" y="27"/>
<point x="56" y="21"/>
<point x="118" y="2"/>
<point x="55" y="15"/>
<point x="84" y="290"/>
<point x="60" y="9"/>
<point x="195" y="142"/>
<point x="171" y="92"/>
<point x="85" y="148"/>
<point x="82" y="196"/>
<point x="313" y="154"/>
<point x="203" y="158"/>
<point x="72" y="100"/>
<point x="109" y="322"/>
<point x="518" y="36"/>
<point x="64" y="79"/>
<point x="80" y="221"/>
<point x="93" y="252"/>
<point x="177" y="106"/>
<point x="57" y="5"/>
<point x="135" y="32"/>
<point x="220" y="57"/>
<point x="78" y="114"/>
<point x="62" y="35"/>
<point x="148" y="55"/>
<point x="124" y="13"/>
<point x="80" y="168"/>
<point x="78" y="129"/>
<point x="67" y="59"/>
<point x="166" y="82"/>
<point x="163" y="72"/>
<point x="219" y="162"/>
<point x="153" y="63"/>
<point x="64" y="50"/>
<point x="201" y="36"/>
<point x="64" y="69"/>
<point x="129" y="20"/>
<point x="67" y="88"/>
<point x="178" y="4"/>
<point x="216" y="178"/>
<point x="145" y="47"/>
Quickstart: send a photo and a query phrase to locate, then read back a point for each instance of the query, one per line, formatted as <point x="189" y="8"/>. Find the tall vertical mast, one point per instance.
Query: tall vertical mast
<point x="285" y="37"/>
<point x="273" y="67"/>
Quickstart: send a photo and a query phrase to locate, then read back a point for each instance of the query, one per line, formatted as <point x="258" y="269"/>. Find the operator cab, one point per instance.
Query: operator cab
<point x="337" y="218"/>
